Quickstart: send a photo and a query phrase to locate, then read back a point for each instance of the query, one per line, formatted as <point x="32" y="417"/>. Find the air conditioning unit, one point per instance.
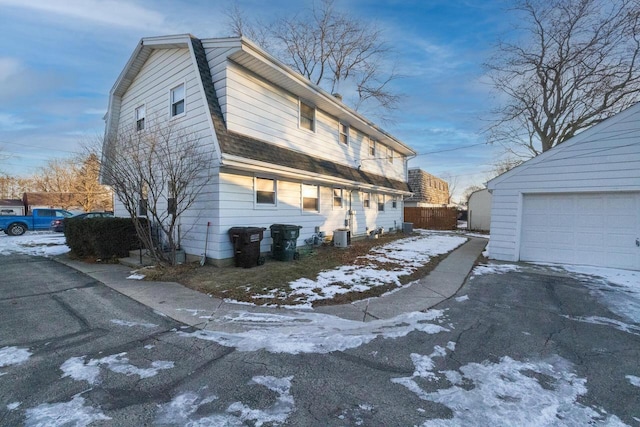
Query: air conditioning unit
<point x="341" y="238"/>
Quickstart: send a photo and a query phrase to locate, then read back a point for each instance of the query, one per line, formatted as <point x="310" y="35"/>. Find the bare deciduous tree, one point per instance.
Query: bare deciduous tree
<point x="576" y="64"/>
<point x="157" y="174"/>
<point x="468" y="191"/>
<point x="88" y="192"/>
<point x="452" y="184"/>
<point x="334" y="50"/>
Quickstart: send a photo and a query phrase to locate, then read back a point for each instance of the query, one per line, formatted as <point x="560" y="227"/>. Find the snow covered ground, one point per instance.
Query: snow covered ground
<point x="39" y="243"/>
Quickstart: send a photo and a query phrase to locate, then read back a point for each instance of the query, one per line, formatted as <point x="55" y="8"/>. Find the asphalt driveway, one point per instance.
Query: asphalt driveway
<point x="516" y="346"/>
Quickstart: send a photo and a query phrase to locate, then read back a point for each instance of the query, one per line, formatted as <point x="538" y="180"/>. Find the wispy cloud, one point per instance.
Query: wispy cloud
<point x="107" y="12"/>
<point x="10" y="122"/>
<point x="8" y="67"/>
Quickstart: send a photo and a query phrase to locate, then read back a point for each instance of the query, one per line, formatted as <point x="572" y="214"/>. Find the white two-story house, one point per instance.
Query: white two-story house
<point x="283" y="150"/>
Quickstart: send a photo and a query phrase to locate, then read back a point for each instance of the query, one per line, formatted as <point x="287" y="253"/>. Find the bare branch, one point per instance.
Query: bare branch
<point x="576" y="65"/>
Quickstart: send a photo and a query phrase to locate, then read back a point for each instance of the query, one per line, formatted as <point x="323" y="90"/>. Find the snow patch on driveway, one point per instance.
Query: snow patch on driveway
<point x="303" y="332"/>
<point x="633" y="380"/>
<point x="494" y="269"/>
<point x="186" y="408"/>
<point x="72" y="413"/>
<point x="79" y="370"/>
<point x="130" y="324"/>
<point x="619" y="289"/>
<point x="13" y="356"/>
<point x="510" y="392"/>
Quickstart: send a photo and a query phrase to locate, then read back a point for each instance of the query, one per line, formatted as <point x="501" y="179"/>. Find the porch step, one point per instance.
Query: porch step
<point x="135" y="261"/>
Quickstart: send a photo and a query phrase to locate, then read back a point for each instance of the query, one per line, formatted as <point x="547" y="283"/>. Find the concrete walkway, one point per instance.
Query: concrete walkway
<point x="201" y="311"/>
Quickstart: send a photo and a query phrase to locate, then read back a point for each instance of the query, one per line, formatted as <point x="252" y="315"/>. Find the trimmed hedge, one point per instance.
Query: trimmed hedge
<point x="103" y="238"/>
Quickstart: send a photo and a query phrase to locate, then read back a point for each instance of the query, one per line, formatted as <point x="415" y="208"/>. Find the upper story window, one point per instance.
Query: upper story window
<point x="337" y="198"/>
<point x="394" y="202"/>
<point x="140" y="113"/>
<point x="372" y="147"/>
<point x="390" y="154"/>
<point x="265" y="191"/>
<point x="344" y="133"/>
<point x="177" y="100"/>
<point x="307" y="117"/>
<point x="310" y="198"/>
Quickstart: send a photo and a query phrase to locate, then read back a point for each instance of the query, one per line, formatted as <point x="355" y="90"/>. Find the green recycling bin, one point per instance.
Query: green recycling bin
<point x="246" y="245"/>
<point x="285" y="238"/>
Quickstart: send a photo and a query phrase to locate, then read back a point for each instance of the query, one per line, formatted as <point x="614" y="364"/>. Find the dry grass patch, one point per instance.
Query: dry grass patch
<point x="271" y="280"/>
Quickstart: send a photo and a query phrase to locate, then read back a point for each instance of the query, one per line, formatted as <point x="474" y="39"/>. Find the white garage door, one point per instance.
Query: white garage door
<point x="593" y="229"/>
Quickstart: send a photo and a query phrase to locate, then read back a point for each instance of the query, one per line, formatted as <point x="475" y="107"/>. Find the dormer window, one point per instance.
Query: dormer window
<point x="307" y="117"/>
<point x="140" y="113"/>
<point x="344" y="133"/>
<point x="177" y="100"/>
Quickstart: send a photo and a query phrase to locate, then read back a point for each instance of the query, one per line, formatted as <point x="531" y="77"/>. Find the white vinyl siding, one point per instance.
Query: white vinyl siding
<point x="259" y="109"/>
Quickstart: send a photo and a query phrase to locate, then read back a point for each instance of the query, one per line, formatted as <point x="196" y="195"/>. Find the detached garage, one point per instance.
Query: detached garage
<point x="578" y="203"/>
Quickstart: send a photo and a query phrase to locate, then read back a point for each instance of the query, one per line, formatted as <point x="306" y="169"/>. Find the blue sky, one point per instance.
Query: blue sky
<point x="59" y="59"/>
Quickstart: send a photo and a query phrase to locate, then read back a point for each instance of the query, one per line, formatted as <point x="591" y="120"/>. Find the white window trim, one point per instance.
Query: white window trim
<point x="384" y="202"/>
<point x="366" y="196"/>
<point x="342" y="204"/>
<point x="315" y="116"/>
<point x="302" y="209"/>
<point x="184" y="111"/>
<point x="373" y="142"/>
<point x="390" y="154"/>
<point x="135" y="117"/>
<point x="266" y="206"/>
<point x="394" y="202"/>
<point x="340" y="133"/>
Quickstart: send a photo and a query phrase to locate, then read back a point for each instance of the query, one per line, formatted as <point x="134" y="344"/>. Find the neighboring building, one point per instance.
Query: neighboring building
<point x="578" y="203"/>
<point x="283" y="150"/>
<point x="11" y="207"/>
<point x="479" y="210"/>
<point x="428" y="190"/>
<point x="50" y="200"/>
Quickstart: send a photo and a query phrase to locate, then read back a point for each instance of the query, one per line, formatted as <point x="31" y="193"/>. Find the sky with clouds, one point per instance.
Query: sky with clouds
<point x="60" y="58"/>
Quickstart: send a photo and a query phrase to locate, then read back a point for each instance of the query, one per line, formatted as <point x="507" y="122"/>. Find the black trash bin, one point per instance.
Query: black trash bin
<point x="246" y="245"/>
<point x="285" y="238"/>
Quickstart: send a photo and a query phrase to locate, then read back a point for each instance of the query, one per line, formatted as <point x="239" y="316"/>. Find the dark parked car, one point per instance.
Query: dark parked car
<point x="58" y="224"/>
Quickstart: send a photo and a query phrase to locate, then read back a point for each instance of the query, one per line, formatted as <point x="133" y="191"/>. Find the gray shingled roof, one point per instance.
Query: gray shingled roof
<point x="243" y="146"/>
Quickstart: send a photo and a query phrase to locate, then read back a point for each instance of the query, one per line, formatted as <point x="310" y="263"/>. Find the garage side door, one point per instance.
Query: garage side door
<point x="593" y="229"/>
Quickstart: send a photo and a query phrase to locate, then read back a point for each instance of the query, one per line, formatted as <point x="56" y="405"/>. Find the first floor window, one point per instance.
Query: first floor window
<point x="143" y="201"/>
<point x="140" y="113"/>
<point x="337" y="197"/>
<point x="381" y="202"/>
<point x="177" y="100"/>
<point x="366" y="200"/>
<point x="265" y="191"/>
<point x="394" y="202"/>
<point x="310" y="199"/>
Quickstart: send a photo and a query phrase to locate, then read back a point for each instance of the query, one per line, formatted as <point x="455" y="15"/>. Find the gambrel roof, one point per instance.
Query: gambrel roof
<point x="236" y="149"/>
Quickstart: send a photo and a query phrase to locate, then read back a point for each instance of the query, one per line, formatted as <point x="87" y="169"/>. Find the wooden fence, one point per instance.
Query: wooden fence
<point x="432" y="218"/>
